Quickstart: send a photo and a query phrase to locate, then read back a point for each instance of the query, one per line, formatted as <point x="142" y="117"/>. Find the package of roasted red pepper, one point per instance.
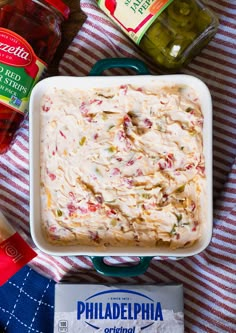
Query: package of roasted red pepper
<point x="30" y="32"/>
<point x="14" y="251"/>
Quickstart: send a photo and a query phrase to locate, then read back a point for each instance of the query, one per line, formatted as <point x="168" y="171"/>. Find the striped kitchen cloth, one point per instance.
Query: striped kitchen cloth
<point x="209" y="278"/>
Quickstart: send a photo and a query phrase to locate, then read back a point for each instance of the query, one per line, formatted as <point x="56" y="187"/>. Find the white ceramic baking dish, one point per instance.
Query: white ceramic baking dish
<point x="95" y="80"/>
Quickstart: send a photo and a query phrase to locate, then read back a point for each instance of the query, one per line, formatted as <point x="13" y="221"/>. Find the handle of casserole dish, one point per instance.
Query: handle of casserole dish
<point x="131" y="63"/>
<point x="117" y="271"/>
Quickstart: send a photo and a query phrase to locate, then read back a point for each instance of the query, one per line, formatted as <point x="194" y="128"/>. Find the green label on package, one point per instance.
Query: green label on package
<point x="20" y="69"/>
<point x="134" y="17"/>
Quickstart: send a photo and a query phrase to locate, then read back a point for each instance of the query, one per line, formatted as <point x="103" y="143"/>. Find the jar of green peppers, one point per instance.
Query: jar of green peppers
<point x="169" y="32"/>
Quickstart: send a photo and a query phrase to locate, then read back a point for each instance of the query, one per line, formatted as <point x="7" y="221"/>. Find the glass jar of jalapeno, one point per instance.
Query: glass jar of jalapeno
<point x="30" y="32"/>
<point x="169" y="32"/>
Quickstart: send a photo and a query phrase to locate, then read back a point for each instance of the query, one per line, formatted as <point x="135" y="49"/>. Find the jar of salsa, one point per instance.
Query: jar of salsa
<point x="169" y="32"/>
<point x="30" y="32"/>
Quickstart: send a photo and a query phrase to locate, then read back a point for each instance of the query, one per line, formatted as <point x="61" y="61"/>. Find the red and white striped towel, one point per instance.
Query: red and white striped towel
<point x="209" y="278"/>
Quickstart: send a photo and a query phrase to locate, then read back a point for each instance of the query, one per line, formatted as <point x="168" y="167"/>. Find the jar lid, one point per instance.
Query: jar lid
<point x="60" y="6"/>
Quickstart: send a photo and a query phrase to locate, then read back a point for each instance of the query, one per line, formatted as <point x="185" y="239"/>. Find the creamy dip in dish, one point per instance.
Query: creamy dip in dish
<point x="122" y="166"/>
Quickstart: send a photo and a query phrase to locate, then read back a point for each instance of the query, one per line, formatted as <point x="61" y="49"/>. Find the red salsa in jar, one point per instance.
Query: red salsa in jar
<point x="30" y="32"/>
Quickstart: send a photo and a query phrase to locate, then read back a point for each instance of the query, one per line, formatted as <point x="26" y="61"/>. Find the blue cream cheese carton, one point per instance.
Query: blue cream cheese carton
<point x="91" y="308"/>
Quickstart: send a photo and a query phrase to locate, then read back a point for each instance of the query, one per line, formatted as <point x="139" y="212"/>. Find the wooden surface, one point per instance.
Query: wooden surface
<point x="69" y="30"/>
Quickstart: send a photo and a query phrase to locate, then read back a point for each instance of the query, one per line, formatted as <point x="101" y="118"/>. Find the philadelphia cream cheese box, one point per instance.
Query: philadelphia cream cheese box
<point x="91" y="308"/>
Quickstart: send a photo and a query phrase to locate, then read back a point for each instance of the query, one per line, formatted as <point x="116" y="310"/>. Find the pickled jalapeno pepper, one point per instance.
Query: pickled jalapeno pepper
<point x="183" y="24"/>
<point x="169" y="32"/>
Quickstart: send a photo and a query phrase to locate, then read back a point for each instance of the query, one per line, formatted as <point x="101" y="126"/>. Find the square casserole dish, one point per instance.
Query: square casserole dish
<point x="95" y="80"/>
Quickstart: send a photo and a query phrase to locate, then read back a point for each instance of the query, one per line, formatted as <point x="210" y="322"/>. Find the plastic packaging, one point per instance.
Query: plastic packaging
<point x="30" y="32"/>
<point x="14" y="251"/>
<point x="169" y="32"/>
